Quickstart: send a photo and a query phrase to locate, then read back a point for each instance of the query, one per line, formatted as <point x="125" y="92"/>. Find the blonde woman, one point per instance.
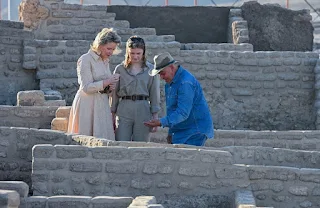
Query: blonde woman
<point x="137" y="95"/>
<point x="90" y="113"/>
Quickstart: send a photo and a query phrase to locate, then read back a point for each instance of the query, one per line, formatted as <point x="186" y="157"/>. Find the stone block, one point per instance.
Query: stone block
<point x="143" y="201"/>
<point x="244" y="199"/>
<point x="109" y="201"/>
<point x="42" y="151"/>
<point x="110" y="153"/>
<point x="30" y="98"/>
<point x="62" y="14"/>
<point x="71" y="151"/>
<point x="298" y="190"/>
<point x="54" y="103"/>
<point x="216" y="156"/>
<point x="9" y="198"/>
<point x="35" y="202"/>
<point x="69" y="202"/>
<point x="194" y="170"/>
<point x="141" y="183"/>
<point x="147" y="153"/>
<point x="155" y="206"/>
<point x="232" y="172"/>
<point x="144" y="31"/>
<point x="121" y="167"/>
<point x="71" y="6"/>
<point x="182" y="154"/>
<point x="21" y="187"/>
<point x="60" y="124"/>
<point x="85" y="166"/>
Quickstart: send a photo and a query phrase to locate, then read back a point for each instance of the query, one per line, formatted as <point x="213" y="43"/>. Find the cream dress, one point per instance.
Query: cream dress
<point x="90" y="113"/>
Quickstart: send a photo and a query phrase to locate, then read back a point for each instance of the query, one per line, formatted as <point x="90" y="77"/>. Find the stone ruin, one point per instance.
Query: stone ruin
<point x="263" y="94"/>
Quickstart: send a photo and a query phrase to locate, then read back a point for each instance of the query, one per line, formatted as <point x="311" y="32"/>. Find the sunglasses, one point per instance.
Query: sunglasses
<point x="134" y="42"/>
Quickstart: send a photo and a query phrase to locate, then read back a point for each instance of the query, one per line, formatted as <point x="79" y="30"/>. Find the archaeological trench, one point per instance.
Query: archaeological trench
<point x="259" y="73"/>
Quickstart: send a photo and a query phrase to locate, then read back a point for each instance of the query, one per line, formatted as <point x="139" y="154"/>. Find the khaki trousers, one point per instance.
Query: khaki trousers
<point x="130" y="117"/>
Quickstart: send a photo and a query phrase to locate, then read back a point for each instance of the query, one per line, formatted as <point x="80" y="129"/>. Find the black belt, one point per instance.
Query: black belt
<point x="105" y="90"/>
<point x="135" y="97"/>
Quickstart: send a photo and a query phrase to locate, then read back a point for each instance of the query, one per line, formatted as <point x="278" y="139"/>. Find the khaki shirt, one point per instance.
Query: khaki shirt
<point x="139" y="84"/>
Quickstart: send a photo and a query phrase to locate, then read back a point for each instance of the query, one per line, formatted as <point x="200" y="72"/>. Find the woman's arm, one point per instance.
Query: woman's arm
<point x="85" y="77"/>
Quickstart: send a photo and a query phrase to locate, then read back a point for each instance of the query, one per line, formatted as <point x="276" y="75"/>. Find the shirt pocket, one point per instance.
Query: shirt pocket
<point x="172" y="100"/>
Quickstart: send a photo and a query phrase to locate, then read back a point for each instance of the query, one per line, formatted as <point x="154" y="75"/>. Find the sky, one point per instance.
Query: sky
<point x="293" y="4"/>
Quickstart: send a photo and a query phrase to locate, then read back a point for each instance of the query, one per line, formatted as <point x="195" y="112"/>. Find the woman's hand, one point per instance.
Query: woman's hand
<point x="111" y="81"/>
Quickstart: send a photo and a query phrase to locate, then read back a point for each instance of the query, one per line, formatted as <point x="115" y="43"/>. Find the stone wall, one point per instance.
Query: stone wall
<point x="56" y="61"/>
<point x="256" y="90"/>
<point x="295" y="140"/>
<point x="256" y="155"/>
<point x="38" y="117"/>
<point x="13" y="77"/>
<point x="168" y="174"/>
<point x="188" y="24"/>
<point x="245" y="90"/>
<point x="16" y="150"/>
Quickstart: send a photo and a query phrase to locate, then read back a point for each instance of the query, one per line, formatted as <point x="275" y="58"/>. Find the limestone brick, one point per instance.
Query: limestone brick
<point x="30" y="98"/>
<point x="9" y="199"/>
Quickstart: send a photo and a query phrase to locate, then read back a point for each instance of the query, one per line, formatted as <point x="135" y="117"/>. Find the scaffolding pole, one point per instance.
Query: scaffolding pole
<point x="196" y="2"/>
<point x="9" y="10"/>
<point x="166" y="2"/>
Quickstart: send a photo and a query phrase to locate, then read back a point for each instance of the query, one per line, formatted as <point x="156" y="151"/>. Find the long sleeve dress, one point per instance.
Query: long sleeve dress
<point x="90" y="113"/>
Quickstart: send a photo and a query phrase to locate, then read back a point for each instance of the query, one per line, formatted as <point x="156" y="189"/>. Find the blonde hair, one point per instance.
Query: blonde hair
<point x="106" y="35"/>
<point x="135" y="42"/>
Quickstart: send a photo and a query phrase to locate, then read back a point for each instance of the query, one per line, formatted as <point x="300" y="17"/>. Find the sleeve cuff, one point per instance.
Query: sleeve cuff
<point x="100" y="85"/>
<point x="164" y="122"/>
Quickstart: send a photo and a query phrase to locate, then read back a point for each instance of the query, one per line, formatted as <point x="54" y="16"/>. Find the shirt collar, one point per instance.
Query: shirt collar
<point x="95" y="56"/>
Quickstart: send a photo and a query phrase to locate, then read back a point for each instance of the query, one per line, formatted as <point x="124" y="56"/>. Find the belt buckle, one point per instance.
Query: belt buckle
<point x="134" y="97"/>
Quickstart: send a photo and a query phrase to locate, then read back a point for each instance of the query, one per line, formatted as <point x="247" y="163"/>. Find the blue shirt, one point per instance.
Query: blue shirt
<point x="187" y="109"/>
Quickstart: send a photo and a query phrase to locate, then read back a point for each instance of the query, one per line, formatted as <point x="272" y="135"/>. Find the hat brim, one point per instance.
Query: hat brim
<point x="154" y="72"/>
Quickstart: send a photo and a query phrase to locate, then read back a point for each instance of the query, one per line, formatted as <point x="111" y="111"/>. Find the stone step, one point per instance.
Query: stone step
<point x="63" y="112"/>
<point x="144" y="31"/>
<point x="150" y="38"/>
<point x="52" y="97"/>
<point x="244" y="199"/>
<point x="60" y="124"/>
<point x="54" y="103"/>
<point x="9" y="199"/>
<point x="257" y="155"/>
<point x="217" y="47"/>
<point x="21" y="187"/>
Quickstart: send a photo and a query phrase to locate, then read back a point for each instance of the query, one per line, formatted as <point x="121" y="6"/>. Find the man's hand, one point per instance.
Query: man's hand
<point x="152" y="123"/>
<point x="169" y="139"/>
<point x="154" y="129"/>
